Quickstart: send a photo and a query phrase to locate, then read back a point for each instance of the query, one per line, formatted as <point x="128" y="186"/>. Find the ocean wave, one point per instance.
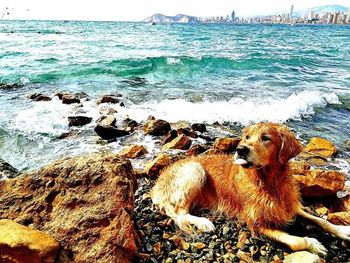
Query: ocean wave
<point x="236" y="110"/>
<point x="166" y="66"/>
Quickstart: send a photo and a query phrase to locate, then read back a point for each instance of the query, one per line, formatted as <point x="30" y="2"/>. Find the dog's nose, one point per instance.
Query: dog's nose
<point x="242" y="150"/>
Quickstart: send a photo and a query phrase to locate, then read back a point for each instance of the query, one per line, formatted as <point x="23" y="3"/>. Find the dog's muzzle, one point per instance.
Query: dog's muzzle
<point x="241" y="155"/>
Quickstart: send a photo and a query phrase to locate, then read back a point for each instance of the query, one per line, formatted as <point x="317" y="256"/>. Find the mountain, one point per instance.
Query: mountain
<point x="179" y="18"/>
<point x="321" y="9"/>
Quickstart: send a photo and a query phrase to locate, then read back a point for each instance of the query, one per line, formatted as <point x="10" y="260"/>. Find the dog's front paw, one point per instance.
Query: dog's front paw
<point x="314" y="246"/>
<point x="342" y="232"/>
<point x="201" y="223"/>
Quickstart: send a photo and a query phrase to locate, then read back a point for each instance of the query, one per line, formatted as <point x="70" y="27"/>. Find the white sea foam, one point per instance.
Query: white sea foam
<point x="241" y="110"/>
<point x="49" y="118"/>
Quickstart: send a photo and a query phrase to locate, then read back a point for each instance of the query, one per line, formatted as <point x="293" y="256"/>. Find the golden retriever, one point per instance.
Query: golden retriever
<point x="254" y="185"/>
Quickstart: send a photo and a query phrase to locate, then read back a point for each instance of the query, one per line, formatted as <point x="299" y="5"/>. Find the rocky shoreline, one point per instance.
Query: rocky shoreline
<point x="95" y="206"/>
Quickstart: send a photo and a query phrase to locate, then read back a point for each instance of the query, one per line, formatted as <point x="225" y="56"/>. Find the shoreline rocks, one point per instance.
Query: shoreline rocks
<point x="86" y="203"/>
<point x="78" y="120"/>
<point x="19" y="243"/>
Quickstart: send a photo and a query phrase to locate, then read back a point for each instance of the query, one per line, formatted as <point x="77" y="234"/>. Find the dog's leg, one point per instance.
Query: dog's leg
<point x="187" y="181"/>
<point x="294" y="242"/>
<point x="342" y="232"/>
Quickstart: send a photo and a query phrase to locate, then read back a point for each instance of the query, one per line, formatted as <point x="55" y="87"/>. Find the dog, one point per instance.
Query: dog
<point x="254" y="186"/>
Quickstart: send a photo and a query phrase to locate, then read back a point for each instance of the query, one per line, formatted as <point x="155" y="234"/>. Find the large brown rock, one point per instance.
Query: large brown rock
<point x="299" y="167"/>
<point x="226" y="144"/>
<point x="133" y="151"/>
<point x="78" y="120"/>
<point x="153" y="168"/>
<point x="39" y="97"/>
<point x="318" y="183"/>
<point x="19" y="243"/>
<point x="321" y="147"/>
<point x="112" y="98"/>
<point x="156" y="127"/>
<point x="181" y="142"/>
<point x="108" y="132"/>
<point x="85" y="203"/>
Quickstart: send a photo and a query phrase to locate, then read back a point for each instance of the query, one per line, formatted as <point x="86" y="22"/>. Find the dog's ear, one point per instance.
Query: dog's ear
<point x="290" y="145"/>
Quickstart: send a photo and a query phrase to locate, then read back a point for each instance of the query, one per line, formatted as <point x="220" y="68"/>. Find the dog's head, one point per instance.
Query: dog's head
<point x="264" y="144"/>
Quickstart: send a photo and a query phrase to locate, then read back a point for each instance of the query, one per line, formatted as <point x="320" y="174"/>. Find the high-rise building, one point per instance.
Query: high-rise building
<point x="233" y="16"/>
<point x="291" y="12"/>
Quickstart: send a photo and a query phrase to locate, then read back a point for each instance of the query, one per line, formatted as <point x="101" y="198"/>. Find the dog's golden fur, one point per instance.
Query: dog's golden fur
<point x="259" y="190"/>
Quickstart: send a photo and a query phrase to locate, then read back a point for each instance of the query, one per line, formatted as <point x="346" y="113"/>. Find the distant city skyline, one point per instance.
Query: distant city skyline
<point x="136" y="10"/>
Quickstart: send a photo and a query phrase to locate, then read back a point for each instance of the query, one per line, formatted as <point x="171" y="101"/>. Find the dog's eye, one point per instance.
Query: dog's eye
<point x="265" y="138"/>
<point x="247" y="137"/>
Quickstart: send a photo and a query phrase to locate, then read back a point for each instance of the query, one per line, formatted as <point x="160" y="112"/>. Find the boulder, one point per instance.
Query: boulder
<point x="39" y="97"/>
<point x="169" y="137"/>
<point x="200" y="127"/>
<point x="339" y="218"/>
<point x="69" y="99"/>
<point x="19" y="243"/>
<point x="226" y="144"/>
<point x="187" y="132"/>
<point x="5" y="86"/>
<point x="6" y="170"/>
<point x="156" y="127"/>
<point x="78" y="120"/>
<point x="108" y="120"/>
<point x="302" y="256"/>
<point x="299" y="167"/>
<point x="85" y="203"/>
<point x="181" y="142"/>
<point x="112" y="98"/>
<point x="319" y="183"/>
<point x="321" y="147"/>
<point x="109" y="132"/>
<point x="196" y="150"/>
<point x="153" y="168"/>
<point x="133" y="151"/>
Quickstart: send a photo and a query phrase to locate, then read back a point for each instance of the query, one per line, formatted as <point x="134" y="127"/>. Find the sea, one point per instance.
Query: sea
<point x="224" y="75"/>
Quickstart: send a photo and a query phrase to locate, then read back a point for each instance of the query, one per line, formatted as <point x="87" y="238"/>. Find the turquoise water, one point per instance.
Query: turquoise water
<point x="233" y="74"/>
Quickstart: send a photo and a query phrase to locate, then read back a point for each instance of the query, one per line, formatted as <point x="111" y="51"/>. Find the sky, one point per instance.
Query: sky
<point x="136" y="10"/>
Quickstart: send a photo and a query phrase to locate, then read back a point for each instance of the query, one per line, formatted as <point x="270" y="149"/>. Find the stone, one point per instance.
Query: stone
<point x="196" y="150"/>
<point x="339" y="218"/>
<point x="321" y="147"/>
<point x="19" y="243"/>
<point x="226" y="144"/>
<point x="298" y="167"/>
<point x="169" y="137"/>
<point x="153" y="168"/>
<point x="347" y="145"/>
<point x="181" y="142"/>
<point x="85" y="203"/>
<point x="320" y="183"/>
<point x="6" y="170"/>
<point x="108" y="120"/>
<point x="321" y="211"/>
<point x="242" y="237"/>
<point x="70" y="99"/>
<point x="109" y="132"/>
<point x="39" y="97"/>
<point x="187" y="132"/>
<point x="133" y="151"/>
<point x="302" y="256"/>
<point x="200" y="127"/>
<point x="5" y="86"/>
<point x="156" y="127"/>
<point x="112" y="98"/>
<point x="199" y="245"/>
<point x="78" y="120"/>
